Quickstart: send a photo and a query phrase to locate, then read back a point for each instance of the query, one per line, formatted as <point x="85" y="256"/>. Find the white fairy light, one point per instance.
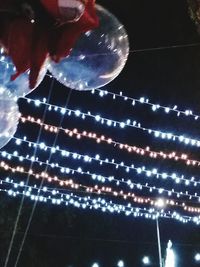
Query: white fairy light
<point x="182" y="138"/>
<point x="146" y="260"/>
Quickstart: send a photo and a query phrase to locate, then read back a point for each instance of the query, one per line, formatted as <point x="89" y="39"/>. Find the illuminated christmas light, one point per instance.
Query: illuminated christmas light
<point x="140" y="170"/>
<point x="88" y="189"/>
<point x="121" y="124"/>
<point x="55" y="197"/>
<point x="145" y="101"/>
<point x="99" y="177"/>
<point x="99" y="139"/>
<point x="120" y="264"/>
<point x="146" y="260"/>
<point x="197" y="257"/>
<point x="160" y="203"/>
<point x="69" y="183"/>
<point x="133" y="101"/>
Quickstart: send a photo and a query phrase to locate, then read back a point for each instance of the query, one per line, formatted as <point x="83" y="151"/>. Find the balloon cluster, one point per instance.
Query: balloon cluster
<point x="97" y="57"/>
<point x="10" y="91"/>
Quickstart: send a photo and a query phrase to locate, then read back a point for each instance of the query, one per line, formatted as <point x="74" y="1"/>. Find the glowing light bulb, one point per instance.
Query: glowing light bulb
<point x="197" y="257"/>
<point x="146" y="260"/>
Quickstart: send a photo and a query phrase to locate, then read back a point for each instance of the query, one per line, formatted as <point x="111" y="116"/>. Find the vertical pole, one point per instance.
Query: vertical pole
<point x="159" y="245"/>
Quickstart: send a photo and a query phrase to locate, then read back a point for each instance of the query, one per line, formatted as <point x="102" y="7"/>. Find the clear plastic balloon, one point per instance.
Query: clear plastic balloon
<point x="98" y="56"/>
<point x="9" y="116"/>
<point x="20" y="86"/>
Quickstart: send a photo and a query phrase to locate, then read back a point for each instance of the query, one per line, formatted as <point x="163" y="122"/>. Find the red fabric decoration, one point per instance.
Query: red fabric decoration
<point x="33" y="30"/>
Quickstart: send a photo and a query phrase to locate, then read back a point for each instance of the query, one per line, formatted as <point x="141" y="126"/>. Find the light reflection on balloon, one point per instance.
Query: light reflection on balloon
<point x="97" y="58"/>
<point x="9" y="116"/>
<point x="20" y="86"/>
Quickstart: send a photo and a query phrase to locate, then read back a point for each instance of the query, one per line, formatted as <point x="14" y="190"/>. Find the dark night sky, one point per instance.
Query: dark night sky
<point x="73" y="238"/>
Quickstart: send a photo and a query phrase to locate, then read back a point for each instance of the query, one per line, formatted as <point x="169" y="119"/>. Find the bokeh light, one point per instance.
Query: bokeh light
<point x="146" y="260"/>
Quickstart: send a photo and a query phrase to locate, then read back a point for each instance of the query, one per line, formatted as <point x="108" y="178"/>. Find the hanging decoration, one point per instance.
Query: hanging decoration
<point x="168" y="136"/>
<point x="173" y="155"/>
<point x="98" y="56"/>
<point x="33" y="31"/>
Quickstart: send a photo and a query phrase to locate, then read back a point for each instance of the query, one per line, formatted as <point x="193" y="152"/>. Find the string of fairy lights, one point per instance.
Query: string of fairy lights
<point x="157" y="192"/>
<point x="129" y="181"/>
<point x="42" y="146"/>
<point x="181" y="138"/>
<point x="118" y="182"/>
<point x="96" y="189"/>
<point x="127" y="168"/>
<point x="68" y="183"/>
<point x="103" y="139"/>
<point x="89" y="202"/>
<point x="145" y="101"/>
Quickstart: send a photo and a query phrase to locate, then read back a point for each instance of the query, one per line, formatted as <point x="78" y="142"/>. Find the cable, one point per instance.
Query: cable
<point x="146" y="102"/>
<point x="41" y="184"/>
<point x="27" y="181"/>
<point x="165" y="47"/>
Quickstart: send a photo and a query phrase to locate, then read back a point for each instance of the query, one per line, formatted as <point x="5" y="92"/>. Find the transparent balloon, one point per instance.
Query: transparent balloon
<point x="98" y="56"/>
<point x="9" y="116"/>
<point x="20" y="86"/>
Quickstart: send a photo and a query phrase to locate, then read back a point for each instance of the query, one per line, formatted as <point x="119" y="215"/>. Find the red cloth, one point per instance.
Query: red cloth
<point x="30" y="44"/>
<point x="51" y="6"/>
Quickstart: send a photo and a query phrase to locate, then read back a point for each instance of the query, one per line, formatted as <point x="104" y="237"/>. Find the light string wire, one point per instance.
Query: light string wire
<point x="114" y="123"/>
<point x="154" y="172"/>
<point x="27" y="181"/>
<point x="94" y="176"/>
<point x="107" y="191"/>
<point x="102" y="178"/>
<point x="108" y="140"/>
<point x="144" y="50"/>
<point x="69" y="183"/>
<point x="96" y="203"/>
<point x="145" y="101"/>
<point x="35" y="203"/>
<point x="58" y="201"/>
<point x="54" y="200"/>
